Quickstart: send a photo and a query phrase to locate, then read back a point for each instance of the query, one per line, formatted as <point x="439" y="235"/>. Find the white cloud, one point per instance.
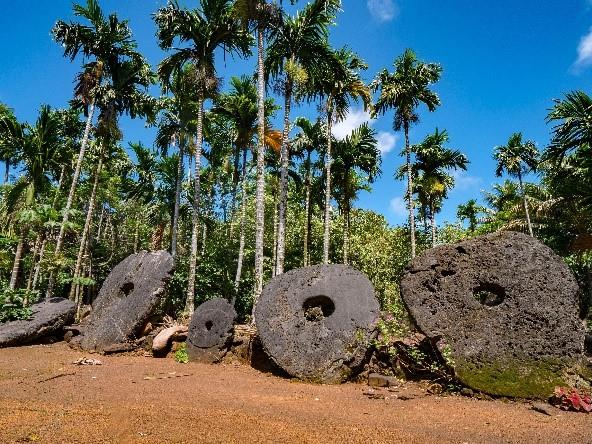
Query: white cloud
<point x="386" y="141"/>
<point x="357" y="117"/>
<point x="383" y="10"/>
<point x="464" y="182"/>
<point x="398" y="207"/>
<point x="353" y="120"/>
<point x="584" y="51"/>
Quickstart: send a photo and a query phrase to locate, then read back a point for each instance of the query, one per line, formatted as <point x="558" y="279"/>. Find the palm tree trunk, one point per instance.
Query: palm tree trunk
<point x="190" y="301"/>
<point x="433" y="224"/>
<point x="275" y="234"/>
<point x="179" y="180"/>
<point x="525" y="203"/>
<point x="346" y="219"/>
<point x="307" y="213"/>
<point x="38" y="265"/>
<point x="70" y="200"/>
<point x="86" y="230"/>
<point x="7" y="171"/>
<point x="260" y="191"/>
<point x="136" y="236"/>
<point x="410" y="189"/>
<point x="328" y="161"/>
<point x="33" y="263"/>
<point x="241" y="247"/>
<point x="17" y="261"/>
<point x="284" y="161"/>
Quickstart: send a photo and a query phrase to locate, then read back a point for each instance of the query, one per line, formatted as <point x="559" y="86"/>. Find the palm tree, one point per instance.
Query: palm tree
<point x="432" y="165"/>
<point x="572" y="130"/>
<point x="357" y="153"/>
<point x="38" y="150"/>
<point x="470" y="211"/>
<point x="124" y="92"/>
<point x="258" y="16"/>
<point x="311" y="138"/>
<point x="105" y="40"/>
<point x="7" y="152"/>
<point x="340" y="84"/>
<point x="405" y="90"/>
<point x="202" y="30"/>
<point x="240" y="107"/>
<point x="297" y="48"/>
<point x="176" y="127"/>
<point x="517" y="158"/>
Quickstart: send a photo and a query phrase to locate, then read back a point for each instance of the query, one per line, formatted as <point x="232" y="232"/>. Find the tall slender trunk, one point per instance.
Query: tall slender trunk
<point x="70" y="200"/>
<point x="59" y="187"/>
<point x="100" y="225"/>
<point x="346" y="219"/>
<point x="7" y="171"/>
<point x="190" y="301"/>
<point x="284" y="162"/>
<point x="178" y="182"/>
<point x="260" y="190"/>
<point x="241" y="247"/>
<point x="433" y="224"/>
<point x="38" y="265"/>
<point x="87" y="224"/>
<point x="86" y="272"/>
<point x="410" y="189"/>
<point x="136" y="236"/>
<point x="305" y="255"/>
<point x="33" y="264"/>
<point x="275" y="234"/>
<point x="328" y="161"/>
<point x="17" y="261"/>
<point x="525" y="203"/>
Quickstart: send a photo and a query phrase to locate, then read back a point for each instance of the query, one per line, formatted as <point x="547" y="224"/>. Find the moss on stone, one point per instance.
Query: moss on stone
<point x="514" y="378"/>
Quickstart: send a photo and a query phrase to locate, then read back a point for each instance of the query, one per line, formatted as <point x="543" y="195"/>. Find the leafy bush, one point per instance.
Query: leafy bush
<point x="14" y="304"/>
<point x="181" y="354"/>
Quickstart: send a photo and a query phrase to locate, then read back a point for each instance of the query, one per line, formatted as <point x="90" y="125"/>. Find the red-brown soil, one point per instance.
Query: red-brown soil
<point x="45" y="398"/>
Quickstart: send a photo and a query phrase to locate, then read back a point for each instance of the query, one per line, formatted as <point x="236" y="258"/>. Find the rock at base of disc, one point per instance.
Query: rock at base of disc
<point x="210" y="331"/>
<point x="316" y="322"/>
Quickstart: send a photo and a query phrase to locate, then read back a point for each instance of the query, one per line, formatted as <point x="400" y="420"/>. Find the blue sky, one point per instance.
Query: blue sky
<point x="504" y="62"/>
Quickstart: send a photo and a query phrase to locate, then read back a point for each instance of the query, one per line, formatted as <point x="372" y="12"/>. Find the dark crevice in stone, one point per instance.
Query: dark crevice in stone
<point x="318" y="307"/>
<point x="489" y="294"/>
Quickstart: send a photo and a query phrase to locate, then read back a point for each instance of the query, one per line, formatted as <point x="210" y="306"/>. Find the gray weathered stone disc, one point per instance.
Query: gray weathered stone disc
<point x="131" y="294"/>
<point x="48" y="317"/>
<point x="316" y="322"/>
<point x="210" y="331"/>
<point x="505" y="305"/>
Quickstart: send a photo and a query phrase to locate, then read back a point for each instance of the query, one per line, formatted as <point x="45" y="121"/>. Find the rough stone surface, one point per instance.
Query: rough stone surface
<point x="505" y="307"/>
<point x="48" y="317"/>
<point x="130" y="296"/>
<point x="210" y="331"/>
<point x="316" y="322"/>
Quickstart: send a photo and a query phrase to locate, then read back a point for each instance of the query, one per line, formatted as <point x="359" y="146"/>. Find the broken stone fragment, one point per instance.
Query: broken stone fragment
<point x="48" y="317"/>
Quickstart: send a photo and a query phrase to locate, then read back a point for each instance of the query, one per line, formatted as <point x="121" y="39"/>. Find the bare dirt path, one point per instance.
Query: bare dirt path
<point x="45" y="398"/>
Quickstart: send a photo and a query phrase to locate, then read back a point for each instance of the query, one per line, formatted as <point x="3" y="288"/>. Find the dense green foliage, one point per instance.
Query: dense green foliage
<point x="194" y="192"/>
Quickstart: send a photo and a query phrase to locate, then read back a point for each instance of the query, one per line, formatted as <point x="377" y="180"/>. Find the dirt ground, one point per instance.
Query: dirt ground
<point x="45" y="398"/>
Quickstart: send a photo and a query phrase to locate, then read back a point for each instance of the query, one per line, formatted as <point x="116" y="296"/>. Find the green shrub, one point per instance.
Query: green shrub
<point x="181" y="354"/>
<point x="14" y="304"/>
